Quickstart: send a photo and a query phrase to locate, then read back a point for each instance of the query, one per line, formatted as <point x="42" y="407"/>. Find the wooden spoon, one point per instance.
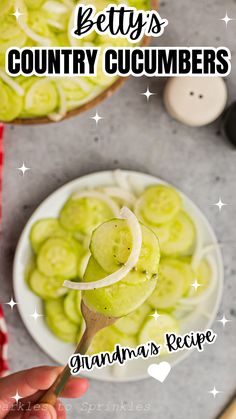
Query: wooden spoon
<point x="94" y="322"/>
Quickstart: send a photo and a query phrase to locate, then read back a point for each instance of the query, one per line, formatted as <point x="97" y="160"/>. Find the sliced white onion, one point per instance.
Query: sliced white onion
<point x="85" y="86"/>
<point x="73" y="41"/>
<point x="77" y="103"/>
<point x="56" y="117"/>
<point x="68" y="3"/>
<point x="202" y="252"/>
<point x="31" y="34"/>
<point x="15" y="86"/>
<point x="30" y="95"/>
<point x="182" y="311"/>
<point x="120" y="178"/>
<point x="55" y="24"/>
<point x="117" y="276"/>
<point x="117" y="192"/>
<point x="98" y="195"/>
<point x="55" y="7"/>
<point x="135" y="187"/>
<point x="137" y="206"/>
<point x="83" y="264"/>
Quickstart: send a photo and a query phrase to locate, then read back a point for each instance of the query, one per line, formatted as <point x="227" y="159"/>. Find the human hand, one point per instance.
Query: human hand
<point x="30" y="385"/>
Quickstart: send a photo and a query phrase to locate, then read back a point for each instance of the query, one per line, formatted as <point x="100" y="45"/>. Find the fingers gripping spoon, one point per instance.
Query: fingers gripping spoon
<point x="94" y="323"/>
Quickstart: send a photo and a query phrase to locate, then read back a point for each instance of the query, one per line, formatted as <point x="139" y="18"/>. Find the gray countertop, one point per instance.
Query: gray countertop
<point x="139" y="136"/>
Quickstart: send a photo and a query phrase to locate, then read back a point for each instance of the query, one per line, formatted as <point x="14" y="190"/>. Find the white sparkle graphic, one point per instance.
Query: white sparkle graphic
<point x="148" y="94"/>
<point x="17" y="14"/>
<point x="226" y="19"/>
<point x="224" y="321"/>
<point x="36" y="315"/>
<point x="220" y="204"/>
<point x="12" y="303"/>
<point x="23" y="169"/>
<point x="155" y="315"/>
<point x="17" y="397"/>
<point x="97" y="118"/>
<point x="214" y="392"/>
<point x="196" y="285"/>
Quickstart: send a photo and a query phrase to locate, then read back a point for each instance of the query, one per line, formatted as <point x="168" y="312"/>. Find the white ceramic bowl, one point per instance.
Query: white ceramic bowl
<point x="59" y="351"/>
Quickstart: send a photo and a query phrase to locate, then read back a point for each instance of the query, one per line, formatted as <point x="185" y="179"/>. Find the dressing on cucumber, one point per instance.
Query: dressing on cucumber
<point x="60" y="247"/>
<point x="111" y="246"/>
<point x="121" y="298"/>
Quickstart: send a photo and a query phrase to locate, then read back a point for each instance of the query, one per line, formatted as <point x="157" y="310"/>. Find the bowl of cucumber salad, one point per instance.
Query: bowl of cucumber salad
<point x="32" y="100"/>
<point x="76" y="235"/>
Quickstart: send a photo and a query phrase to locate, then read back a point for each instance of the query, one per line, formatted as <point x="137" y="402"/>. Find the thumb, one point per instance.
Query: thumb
<point x="41" y="411"/>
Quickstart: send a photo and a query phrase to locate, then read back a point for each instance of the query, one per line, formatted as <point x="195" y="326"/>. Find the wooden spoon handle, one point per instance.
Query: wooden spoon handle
<point x="51" y="395"/>
<point x="230" y="412"/>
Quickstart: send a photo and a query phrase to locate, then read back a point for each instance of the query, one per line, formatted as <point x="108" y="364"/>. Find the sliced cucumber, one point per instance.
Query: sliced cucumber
<point x="131" y="324"/>
<point x="121" y="298"/>
<point x="30" y="267"/>
<point x="57" y="321"/>
<point x="43" y="230"/>
<point x="57" y="14"/>
<point x="5" y="6"/>
<point x="41" y="98"/>
<point x="37" y="22"/>
<point x="186" y="271"/>
<point x="57" y="257"/>
<point x="98" y="4"/>
<point x="84" y="214"/>
<point x="162" y="231"/>
<point x="140" y="4"/>
<point x="159" y="204"/>
<point x="102" y="79"/>
<point x="10" y="34"/>
<point x="46" y="287"/>
<point x="111" y="245"/>
<point x="77" y="246"/>
<point x="11" y="103"/>
<point x="170" y="286"/>
<point x="9" y="28"/>
<point x="155" y="330"/>
<point x="182" y="237"/>
<point x="112" y="42"/>
<point x="71" y="306"/>
<point x="76" y="89"/>
<point x="18" y="42"/>
<point x="83" y="263"/>
<point x="34" y="4"/>
<point x="108" y="338"/>
<point x="204" y="275"/>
